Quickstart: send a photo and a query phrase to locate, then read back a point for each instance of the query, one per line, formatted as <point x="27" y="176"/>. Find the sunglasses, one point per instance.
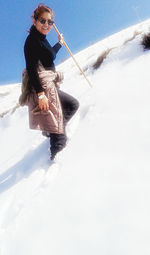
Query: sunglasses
<point x="43" y="21"/>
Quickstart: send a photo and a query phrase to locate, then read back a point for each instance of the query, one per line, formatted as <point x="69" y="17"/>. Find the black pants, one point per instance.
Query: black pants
<point x="69" y="106"/>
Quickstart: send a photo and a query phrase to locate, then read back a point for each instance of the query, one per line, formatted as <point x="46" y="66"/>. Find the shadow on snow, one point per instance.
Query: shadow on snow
<point x="33" y="160"/>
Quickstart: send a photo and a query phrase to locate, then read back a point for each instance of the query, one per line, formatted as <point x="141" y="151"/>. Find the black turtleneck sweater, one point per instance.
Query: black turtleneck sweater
<point x="38" y="48"/>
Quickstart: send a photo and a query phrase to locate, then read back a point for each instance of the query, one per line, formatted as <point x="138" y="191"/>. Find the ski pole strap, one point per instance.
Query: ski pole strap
<point x="66" y="46"/>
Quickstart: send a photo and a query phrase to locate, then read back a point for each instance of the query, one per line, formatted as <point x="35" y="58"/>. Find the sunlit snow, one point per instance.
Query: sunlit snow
<point x="94" y="199"/>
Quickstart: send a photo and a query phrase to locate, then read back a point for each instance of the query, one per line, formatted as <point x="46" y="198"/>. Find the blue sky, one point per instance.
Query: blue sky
<point x="82" y="23"/>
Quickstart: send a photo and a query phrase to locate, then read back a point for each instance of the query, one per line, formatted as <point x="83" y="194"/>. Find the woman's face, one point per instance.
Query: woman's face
<point x="43" y="23"/>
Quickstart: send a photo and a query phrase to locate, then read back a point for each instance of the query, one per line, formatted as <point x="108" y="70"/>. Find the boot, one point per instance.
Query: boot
<point x="58" y="143"/>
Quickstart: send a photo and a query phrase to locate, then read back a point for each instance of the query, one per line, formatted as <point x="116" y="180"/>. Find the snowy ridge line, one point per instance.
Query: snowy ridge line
<point x="6" y="90"/>
<point x="11" y="110"/>
<point x="140" y="27"/>
<point x="105" y="53"/>
<point x="3" y="94"/>
<point x="103" y="46"/>
<point x="9" y="95"/>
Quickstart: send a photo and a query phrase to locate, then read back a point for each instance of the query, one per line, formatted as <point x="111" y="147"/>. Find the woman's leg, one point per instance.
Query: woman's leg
<point x="69" y="105"/>
<point x="57" y="143"/>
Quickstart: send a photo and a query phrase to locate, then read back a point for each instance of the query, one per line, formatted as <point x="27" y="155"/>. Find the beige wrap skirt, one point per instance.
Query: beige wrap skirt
<point x="52" y="120"/>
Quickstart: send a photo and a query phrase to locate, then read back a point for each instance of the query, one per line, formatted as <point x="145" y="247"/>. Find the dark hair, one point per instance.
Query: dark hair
<point x="146" y="41"/>
<point x="40" y="9"/>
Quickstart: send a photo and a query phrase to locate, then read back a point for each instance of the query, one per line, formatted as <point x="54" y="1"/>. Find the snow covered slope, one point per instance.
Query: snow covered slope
<point x="95" y="198"/>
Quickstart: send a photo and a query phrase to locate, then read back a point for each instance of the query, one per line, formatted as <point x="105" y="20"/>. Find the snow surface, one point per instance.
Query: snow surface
<point x="95" y="198"/>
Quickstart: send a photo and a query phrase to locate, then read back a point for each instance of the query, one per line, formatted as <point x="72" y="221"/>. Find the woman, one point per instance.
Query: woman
<point x="49" y="107"/>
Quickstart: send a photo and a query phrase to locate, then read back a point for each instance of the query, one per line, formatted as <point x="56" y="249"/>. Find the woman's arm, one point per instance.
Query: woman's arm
<point x="58" y="45"/>
<point x="31" y="57"/>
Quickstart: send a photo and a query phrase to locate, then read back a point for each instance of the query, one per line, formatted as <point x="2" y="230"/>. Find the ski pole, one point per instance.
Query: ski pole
<point x="72" y="56"/>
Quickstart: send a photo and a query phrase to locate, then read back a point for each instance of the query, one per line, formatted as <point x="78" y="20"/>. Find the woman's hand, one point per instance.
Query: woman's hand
<point x="43" y="102"/>
<point x="61" y="39"/>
